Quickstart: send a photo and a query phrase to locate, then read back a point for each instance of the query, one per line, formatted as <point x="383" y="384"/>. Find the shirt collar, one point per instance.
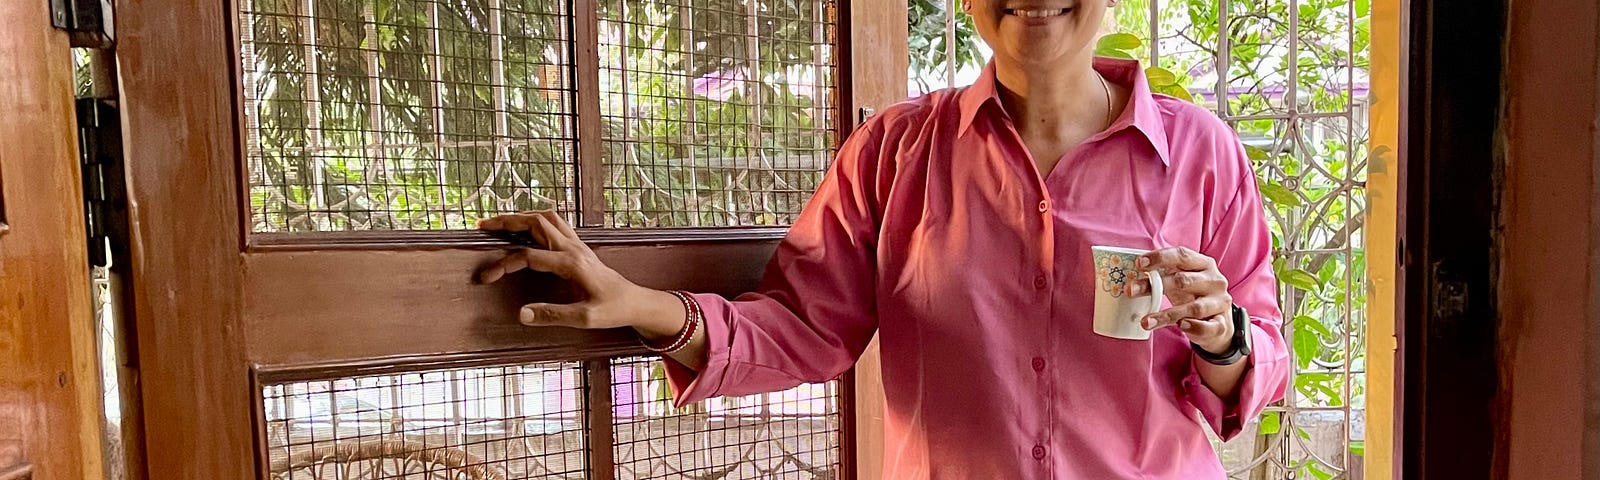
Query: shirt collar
<point x="1142" y="112"/>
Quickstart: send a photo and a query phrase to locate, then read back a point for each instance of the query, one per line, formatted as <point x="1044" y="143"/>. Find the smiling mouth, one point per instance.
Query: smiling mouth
<point x="1038" y="12"/>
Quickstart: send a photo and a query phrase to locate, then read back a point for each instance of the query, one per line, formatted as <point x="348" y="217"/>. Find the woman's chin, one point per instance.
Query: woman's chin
<point x="1031" y="57"/>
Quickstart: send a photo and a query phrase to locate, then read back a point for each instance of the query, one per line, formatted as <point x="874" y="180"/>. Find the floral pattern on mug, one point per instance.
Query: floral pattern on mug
<point x="1112" y="272"/>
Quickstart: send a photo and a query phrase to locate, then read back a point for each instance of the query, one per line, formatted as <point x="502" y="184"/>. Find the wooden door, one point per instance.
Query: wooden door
<point x="288" y="288"/>
<point x="49" y="426"/>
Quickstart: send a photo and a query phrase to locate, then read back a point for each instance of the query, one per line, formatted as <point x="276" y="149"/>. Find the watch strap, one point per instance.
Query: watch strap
<point x="1239" y="347"/>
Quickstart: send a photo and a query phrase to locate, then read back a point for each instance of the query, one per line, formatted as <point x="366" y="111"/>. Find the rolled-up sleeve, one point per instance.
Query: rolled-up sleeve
<point x="1242" y="247"/>
<point x="814" y="312"/>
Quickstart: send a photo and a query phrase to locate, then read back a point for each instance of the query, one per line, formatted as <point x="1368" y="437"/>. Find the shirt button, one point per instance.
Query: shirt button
<point x="1044" y="206"/>
<point x="1038" y="364"/>
<point x="1038" y="452"/>
<point x="1040" y="282"/>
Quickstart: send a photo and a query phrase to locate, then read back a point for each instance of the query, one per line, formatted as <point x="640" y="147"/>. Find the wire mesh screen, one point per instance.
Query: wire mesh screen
<point x="499" y="423"/>
<point x="405" y="114"/>
<point x="789" y="435"/>
<point x="716" y="112"/>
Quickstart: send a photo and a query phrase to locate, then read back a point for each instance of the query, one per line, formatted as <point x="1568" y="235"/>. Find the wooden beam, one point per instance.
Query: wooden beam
<point x="600" y="436"/>
<point x="586" y="61"/>
<point x="180" y="102"/>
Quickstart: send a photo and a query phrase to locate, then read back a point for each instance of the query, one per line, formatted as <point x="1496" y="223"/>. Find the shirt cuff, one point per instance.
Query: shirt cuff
<point x="1226" y="418"/>
<point x="689" y="386"/>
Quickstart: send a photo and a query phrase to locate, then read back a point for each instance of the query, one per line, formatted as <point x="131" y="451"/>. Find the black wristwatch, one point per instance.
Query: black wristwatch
<point x="1238" y="348"/>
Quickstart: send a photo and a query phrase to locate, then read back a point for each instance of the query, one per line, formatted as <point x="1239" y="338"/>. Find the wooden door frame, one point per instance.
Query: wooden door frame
<point x="1547" y="325"/>
<point x="50" y="395"/>
<point x="1447" y="371"/>
<point x="206" y="342"/>
<point x="1591" y="438"/>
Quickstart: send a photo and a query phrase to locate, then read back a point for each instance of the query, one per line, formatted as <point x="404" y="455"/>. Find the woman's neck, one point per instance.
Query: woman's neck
<point x="1058" y="103"/>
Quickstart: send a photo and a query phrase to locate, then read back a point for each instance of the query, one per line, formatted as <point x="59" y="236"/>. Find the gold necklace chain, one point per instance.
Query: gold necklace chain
<point x="1107" y="87"/>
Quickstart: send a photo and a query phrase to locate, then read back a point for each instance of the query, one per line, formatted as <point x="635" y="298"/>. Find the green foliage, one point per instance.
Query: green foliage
<point x="1118" y="45"/>
<point x="929" y="47"/>
<point x="1271" y="423"/>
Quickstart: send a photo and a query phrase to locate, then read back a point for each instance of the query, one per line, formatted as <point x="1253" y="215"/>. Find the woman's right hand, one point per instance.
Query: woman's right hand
<point x="609" y="300"/>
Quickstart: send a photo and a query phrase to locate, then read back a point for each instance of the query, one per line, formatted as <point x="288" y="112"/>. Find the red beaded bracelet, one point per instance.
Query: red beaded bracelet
<point x="686" y="334"/>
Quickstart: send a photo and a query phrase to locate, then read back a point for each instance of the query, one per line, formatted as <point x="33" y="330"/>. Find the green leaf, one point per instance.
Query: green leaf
<point x="1317" y="471"/>
<point x="1328" y="270"/>
<point x="1326" y="384"/>
<point x="1315" y="325"/>
<point x="1160" y="76"/>
<point x="1271" y="422"/>
<point x="1183" y="93"/>
<point x="1118" y="41"/>
<point x="1306" y="347"/>
<point x="1279" y="195"/>
<point x="1300" y="279"/>
<point x="1256" y="153"/>
<point x="1114" y="54"/>
<point x="663" y="392"/>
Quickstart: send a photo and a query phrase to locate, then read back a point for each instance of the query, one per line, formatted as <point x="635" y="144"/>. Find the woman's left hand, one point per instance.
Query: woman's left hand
<point x="1201" y="308"/>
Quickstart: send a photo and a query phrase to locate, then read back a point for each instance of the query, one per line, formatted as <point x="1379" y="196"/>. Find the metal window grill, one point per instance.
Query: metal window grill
<point x="717" y="113"/>
<point x="496" y="423"/>
<point x="1291" y="80"/>
<point x="430" y="114"/>
<point x="1290" y="77"/>
<point x="405" y="114"/>
<point x="791" y="434"/>
<point x="529" y="421"/>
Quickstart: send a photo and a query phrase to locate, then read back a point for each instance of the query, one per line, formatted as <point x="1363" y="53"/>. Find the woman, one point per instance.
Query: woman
<point x="958" y="225"/>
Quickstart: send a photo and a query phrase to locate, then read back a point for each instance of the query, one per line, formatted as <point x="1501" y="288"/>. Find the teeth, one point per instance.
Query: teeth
<point x="1039" y="13"/>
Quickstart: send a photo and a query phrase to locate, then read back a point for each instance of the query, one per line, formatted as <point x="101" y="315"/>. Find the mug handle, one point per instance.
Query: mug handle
<point x="1155" y="291"/>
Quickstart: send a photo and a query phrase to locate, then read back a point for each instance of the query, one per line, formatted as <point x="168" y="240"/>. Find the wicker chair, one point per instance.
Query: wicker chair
<point x="382" y="460"/>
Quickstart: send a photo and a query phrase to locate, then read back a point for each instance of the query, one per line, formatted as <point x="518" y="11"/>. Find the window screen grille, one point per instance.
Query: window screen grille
<point x="405" y="114"/>
<point x="717" y="112"/>
<point x="530" y="421"/>
<point x="430" y="114"/>
<point x="792" y="434"/>
<point x="508" y="422"/>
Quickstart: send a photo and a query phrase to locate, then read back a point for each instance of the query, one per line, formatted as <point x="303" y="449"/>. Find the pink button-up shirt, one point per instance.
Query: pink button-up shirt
<point x="935" y="229"/>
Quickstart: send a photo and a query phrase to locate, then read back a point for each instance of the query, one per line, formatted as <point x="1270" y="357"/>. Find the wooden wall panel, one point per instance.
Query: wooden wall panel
<point x="1547" y="332"/>
<point x="313" y="307"/>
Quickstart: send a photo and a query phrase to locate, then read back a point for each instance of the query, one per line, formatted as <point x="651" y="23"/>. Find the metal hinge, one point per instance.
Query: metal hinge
<point x="88" y="21"/>
<point x="864" y="114"/>
<point x="105" y="197"/>
<point x="1450" y="297"/>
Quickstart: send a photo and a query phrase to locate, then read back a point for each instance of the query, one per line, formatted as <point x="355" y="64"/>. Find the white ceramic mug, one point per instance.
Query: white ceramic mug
<point x="1116" y="313"/>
